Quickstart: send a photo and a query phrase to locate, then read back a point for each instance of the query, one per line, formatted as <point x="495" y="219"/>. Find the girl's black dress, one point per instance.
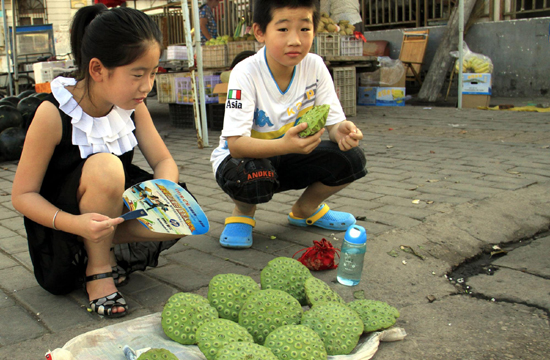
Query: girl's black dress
<point x="58" y="258"/>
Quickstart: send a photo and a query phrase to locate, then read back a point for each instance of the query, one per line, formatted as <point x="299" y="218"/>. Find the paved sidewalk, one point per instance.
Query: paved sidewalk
<point x="448" y="183"/>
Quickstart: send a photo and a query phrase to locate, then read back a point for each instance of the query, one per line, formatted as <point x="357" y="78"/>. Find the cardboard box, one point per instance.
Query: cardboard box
<point x="473" y="101"/>
<point x="394" y="96"/>
<point x="476" y="84"/>
<point x="383" y="77"/>
<point x="476" y="90"/>
<point x="381" y="96"/>
<point x="366" y="95"/>
<point x="221" y="90"/>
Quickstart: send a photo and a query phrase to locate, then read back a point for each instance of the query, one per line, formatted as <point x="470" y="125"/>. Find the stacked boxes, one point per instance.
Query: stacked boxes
<point x="476" y="90"/>
<point x="381" y="96"/>
<point x="214" y="56"/>
<point x="383" y="87"/>
<point x="345" y="86"/>
<point x="184" y="89"/>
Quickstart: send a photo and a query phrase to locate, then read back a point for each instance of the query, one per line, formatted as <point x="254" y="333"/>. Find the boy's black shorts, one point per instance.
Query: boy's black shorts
<point x="254" y="181"/>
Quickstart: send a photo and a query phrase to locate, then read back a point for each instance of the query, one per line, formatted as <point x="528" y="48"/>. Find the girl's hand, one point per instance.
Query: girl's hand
<point x="348" y="135"/>
<point x="298" y="145"/>
<point x="96" y="226"/>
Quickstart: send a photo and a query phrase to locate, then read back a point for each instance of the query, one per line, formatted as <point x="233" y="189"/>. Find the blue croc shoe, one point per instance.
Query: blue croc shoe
<point x="325" y="218"/>
<point x="238" y="232"/>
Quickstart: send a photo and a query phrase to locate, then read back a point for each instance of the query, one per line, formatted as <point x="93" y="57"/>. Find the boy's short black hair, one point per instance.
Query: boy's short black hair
<point x="263" y="10"/>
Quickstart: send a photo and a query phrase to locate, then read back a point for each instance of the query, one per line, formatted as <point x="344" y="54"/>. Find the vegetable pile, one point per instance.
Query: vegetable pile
<point x="240" y="320"/>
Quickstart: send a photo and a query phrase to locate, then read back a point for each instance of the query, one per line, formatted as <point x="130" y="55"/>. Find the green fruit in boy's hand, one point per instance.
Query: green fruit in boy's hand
<point x="316" y="118"/>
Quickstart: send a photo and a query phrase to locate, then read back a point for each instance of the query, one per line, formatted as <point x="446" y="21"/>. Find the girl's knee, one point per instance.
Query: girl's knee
<point x="104" y="172"/>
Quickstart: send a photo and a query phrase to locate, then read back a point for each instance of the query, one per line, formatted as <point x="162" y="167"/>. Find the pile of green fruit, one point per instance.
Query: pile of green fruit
<point x="223" y="40"/>
<point x="220" y="40"/>
<point x="240" y="320"/>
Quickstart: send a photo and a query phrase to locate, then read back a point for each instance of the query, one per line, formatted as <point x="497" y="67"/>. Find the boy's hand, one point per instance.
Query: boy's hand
<point x="347" y="135"/>
<point x="298" y="145"/>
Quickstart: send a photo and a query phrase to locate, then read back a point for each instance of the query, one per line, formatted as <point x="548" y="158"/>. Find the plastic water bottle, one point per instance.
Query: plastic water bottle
<point x="352" y="255"/>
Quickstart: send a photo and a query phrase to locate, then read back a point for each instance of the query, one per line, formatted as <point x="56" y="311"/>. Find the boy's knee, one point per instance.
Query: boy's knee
<point x="251" y="181"/>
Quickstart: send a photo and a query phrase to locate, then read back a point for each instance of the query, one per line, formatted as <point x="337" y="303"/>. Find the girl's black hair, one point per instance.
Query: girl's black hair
<point x="116" y="37"/>
<point x="263" y="10"/>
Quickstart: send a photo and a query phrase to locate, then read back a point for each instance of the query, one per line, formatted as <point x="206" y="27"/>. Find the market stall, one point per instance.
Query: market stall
<point x="340" y="47"/>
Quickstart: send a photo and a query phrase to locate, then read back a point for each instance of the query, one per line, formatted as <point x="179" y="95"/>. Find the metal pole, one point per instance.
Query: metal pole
<point x="460" y="49"/>
<point x="7" y="47"/>
<point x="196" y="25"/>
<point x="14" y="50"/>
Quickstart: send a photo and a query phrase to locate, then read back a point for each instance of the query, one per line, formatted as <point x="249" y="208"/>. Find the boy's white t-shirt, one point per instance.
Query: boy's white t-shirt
<point x="256" y="107"/>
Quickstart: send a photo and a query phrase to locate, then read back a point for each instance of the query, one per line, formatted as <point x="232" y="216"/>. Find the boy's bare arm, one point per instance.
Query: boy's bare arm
<point x="290" y="143"/>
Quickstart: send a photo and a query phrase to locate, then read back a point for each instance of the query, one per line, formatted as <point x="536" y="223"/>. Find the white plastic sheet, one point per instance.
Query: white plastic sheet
<point x="146" y="332"/>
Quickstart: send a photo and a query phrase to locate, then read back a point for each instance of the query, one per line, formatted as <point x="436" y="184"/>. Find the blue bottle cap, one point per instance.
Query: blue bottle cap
<point x="356" y="235"/>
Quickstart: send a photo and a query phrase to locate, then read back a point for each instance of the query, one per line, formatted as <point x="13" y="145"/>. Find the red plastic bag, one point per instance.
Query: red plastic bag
<point x="320" y="256"/>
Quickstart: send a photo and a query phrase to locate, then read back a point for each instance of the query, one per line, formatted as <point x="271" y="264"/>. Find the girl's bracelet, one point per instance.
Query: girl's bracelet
<point x="54" y="216"/>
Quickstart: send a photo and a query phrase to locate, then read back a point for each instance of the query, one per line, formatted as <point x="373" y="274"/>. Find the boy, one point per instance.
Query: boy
<point x="260" y="152"/>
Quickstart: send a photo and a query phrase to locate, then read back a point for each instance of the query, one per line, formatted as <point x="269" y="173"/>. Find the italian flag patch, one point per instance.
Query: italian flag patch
<point x="234" y="94"/>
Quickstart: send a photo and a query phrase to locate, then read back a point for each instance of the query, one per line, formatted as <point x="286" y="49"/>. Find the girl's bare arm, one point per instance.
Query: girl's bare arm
<point x="152" y="146"/>
<point x="42" y="137"/>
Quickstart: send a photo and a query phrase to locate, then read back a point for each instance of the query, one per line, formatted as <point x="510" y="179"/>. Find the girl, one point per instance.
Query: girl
<point x="76" y="161"/>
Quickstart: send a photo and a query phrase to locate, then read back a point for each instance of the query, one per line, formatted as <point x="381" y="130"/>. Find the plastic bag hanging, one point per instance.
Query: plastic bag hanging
<point x="320" y="256"/>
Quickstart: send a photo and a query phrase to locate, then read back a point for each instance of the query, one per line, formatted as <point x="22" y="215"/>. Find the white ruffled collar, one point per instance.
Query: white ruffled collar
<point x="112" y="133"/>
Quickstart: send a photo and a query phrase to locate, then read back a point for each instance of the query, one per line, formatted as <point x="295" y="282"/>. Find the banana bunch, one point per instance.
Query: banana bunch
<point x="476" y="64"/>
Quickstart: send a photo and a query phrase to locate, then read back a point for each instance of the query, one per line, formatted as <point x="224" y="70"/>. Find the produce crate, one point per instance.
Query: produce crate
<point x="183" y="116"/>
<point x="327" y="44"/>
<point x="216" y="112"/>
<point x="350" y="46"/>
<point x="166" y="87"/>
<point x="345" y="86"/>
<point x="236" y="47"/>
<point x="214" y="56"/>
<point x="184" y="89"/>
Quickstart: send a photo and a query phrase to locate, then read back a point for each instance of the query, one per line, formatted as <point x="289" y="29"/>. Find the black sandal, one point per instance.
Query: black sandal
<point x="104" y="305"/>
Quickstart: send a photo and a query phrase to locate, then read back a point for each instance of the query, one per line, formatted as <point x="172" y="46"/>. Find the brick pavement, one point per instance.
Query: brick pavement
<point x="442" y="157"/>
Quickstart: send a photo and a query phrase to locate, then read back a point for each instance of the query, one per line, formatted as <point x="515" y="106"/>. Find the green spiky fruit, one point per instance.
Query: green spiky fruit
<point x="228" y="292"/>
<point x="286" y="274"/>
<point x="157" y="354"/>
<point x="336" y="324"/>
<point x="376" y="315"/>
<point x="296" y="342"/>
<point x="183" y="314"/>
<point x="245" y="351"/>
<point x="266" y="310"/>
<point x="214" y="335"/>
<point x="316" y="119"/>
<point x="318" y="291"/>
